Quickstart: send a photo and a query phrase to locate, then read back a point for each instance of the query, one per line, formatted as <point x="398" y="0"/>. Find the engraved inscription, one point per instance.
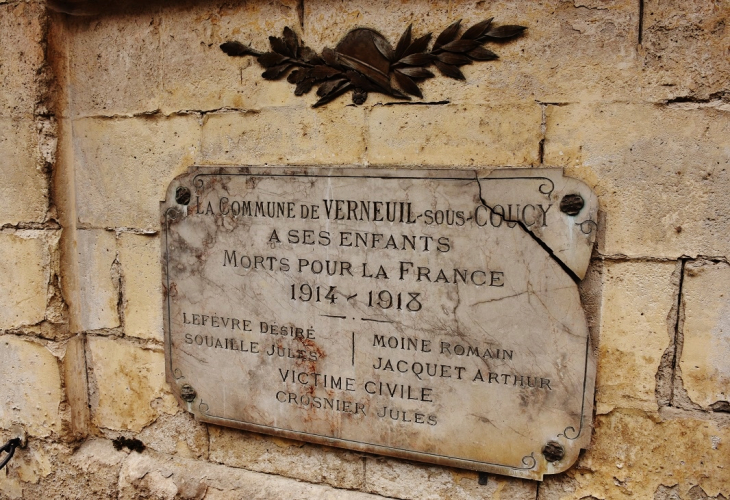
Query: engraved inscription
<point x="417" y="314"/>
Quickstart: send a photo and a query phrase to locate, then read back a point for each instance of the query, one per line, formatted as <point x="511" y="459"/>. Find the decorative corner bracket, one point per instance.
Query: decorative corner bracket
<point x="364" y="61"/>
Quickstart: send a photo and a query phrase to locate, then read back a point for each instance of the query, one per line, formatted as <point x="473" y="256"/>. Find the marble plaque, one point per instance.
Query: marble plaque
<point x="431" y="315"/>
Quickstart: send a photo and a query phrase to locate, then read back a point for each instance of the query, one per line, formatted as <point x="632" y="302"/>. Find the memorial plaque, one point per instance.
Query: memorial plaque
<point x="432" y="315"/>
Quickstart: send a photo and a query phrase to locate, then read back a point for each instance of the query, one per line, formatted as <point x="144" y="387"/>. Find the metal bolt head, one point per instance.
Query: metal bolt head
<point x="572" y="204"/>
<point x="553" y="451"/>
<point x="182" y="195"/>
<point x="187" y="393"/>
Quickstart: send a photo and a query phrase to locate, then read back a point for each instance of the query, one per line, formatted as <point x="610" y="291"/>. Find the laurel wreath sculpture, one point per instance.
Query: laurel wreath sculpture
<point x="364" y="61"/>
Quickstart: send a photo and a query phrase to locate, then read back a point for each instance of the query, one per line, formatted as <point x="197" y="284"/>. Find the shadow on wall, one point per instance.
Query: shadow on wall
<point x="94" y="7"/>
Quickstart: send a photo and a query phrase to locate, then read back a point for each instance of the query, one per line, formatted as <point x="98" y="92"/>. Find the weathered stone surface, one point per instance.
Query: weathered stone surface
<point x="123" y="165"/>
<point x="285" y="135"/>
<point x="397" y="479"/>
<point x="63" y="189"/>
<point x="634" y="452"/>
<point x="694" y="493"/>
<point x="591" y="296"/>
<point x="32" y="393"/>
<point x="285" y="457"/>
<point x="637" y="298"/>
<point x="53" y="471"/>
<point x="96" y="304"/>
<point x="24" y="190"/>
<point x="178" y="434"/>
<point x="149" y="475"/>
<point x="685" y="49"/>
<point x="663" y="193"/>
<point x="77" y="390"/>
<point x="199" y="76"/>
<point x="326" y="22"/>
<point x="57" y="62"/>
<point x="127" y="384"/>
<point x="140" y="263"/>
<point x="115" y="64"/>
<point x="705" y="358"/>
<point x="21" y="53"/>
<point x="27" y="468"/>
<point x="24" y="263"/>
<point x="572" y="51"/>
<point x="98" y="464"/>
<point x="426" y="337"/>
<point x="454" y="135"/>
<point x="661" y="171"/>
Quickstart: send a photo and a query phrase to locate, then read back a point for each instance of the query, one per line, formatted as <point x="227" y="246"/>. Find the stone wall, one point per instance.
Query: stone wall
<point x="100" y="111"/>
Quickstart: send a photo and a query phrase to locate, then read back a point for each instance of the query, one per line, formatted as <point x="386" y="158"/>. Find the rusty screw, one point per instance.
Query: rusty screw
<point x="571" y="204"/>
<point x="182" y="195"/>
<point x="187" y="393"/>
<point x="553" y="451"/>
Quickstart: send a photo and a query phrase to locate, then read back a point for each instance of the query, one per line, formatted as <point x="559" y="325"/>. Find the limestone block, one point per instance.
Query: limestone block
<point x="342" y="469"/>
<point x="63" y="177"/>
<point x="285" y="135"/>
<point x="77" y="391"/>
<point x="398" y="479"/>
<point x="591" y="296"/>
<point x="115" y="65"/>
<point x="634" y="453"/>
<point x="660" y="172"/>
<point x="28" y="467"/>
<point x="178" y="434"/>
<point x="35" y="464"/>
<point x="685" y="48"/>
<point x="21" y="53"/>
<point x="636" y="301"/>
<point x="140" y="260"/>
<point x="96" y="465"/>
<point x="57" y="60"/>
<point x="24" y="190"/>
<point x="572" y="51"/>
<point x="696" y="492"/>
<point x="149" y="475"/>
<point x="23" y="265"/>
<point x="326" y="22"/>
<point x="504" y="135"/>
<point x="98" y="281"/>
<point x="50" y="470"/>
<point x="705" y="360"/>
<point x="123" y="166"/>
<point x="198" y="75"/>
<point x="127" y="384"/>
<point x="31" y="393"/>
<point x="11" y="488"/>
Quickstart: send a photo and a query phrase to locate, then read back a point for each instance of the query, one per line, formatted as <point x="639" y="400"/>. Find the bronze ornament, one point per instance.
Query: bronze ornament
<point x="364" y="61"/>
